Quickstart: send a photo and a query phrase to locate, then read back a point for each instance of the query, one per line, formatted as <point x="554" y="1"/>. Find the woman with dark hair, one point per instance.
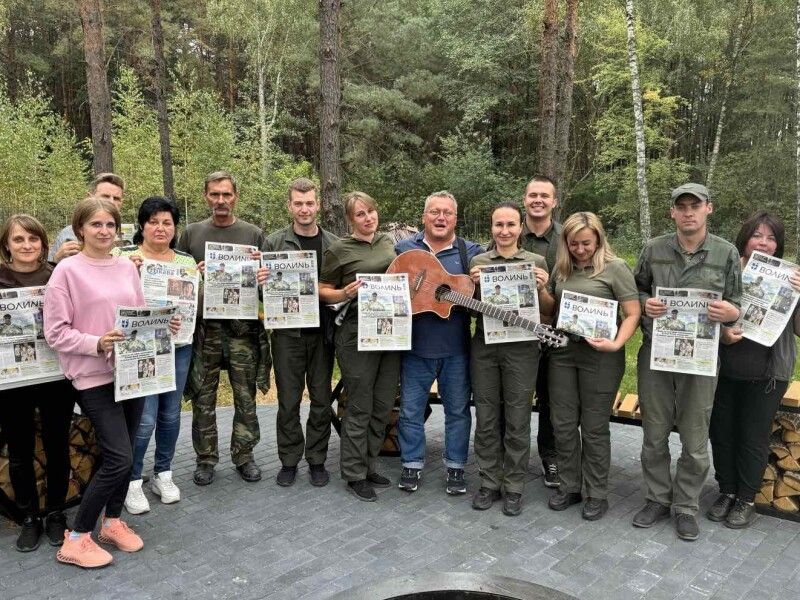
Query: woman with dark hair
<point x="752" y="381"/>
<point x="23" y="249"/>
<point x="154" y="239"/>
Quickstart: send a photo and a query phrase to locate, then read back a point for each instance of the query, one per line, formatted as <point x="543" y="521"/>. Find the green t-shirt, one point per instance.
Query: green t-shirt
<point x="193" y="240"/>
<point x="615" y="282"/>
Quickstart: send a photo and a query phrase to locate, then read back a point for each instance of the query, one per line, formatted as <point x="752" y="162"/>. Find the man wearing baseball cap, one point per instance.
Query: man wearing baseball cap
<point x="689" y="258"/>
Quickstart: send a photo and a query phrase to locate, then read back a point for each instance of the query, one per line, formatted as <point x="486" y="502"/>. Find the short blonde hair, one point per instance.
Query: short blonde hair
<point x="350" y="203"/>
<point x="87" y="207"/>
<point x="575" y="223"/>
<point x="29" y="224"/>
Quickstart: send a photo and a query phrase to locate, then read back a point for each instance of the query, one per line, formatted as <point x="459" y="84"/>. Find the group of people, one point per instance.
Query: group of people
<point x="574" y="385"/>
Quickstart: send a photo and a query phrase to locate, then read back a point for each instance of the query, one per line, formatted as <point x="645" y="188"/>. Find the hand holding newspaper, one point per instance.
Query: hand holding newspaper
<point x="291" y="294"/>
<point x="167" y="283"/>
<point x="768" y="298"/>
<point x="384" y="312"/>
<point x="513" y="288"/>
<point x="587" y="316"/>
<point x="230" y="286"/>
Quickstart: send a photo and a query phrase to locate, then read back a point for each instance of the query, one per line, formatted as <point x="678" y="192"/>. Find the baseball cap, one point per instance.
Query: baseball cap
<point x="691" y="189"/>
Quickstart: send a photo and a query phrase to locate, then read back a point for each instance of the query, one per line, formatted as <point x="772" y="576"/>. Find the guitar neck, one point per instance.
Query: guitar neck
<point x="490" y="310"/>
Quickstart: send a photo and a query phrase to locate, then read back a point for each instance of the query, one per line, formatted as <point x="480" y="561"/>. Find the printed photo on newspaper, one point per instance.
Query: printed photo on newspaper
<point x="125" y="236"/>
<point x="768" y="299"/>
<point x="384" y="312"/>
<point x="25" y="357"/>
<point x="166" y="283"/>
<point x="230" y="287"/>
<point x="511" y="287"/>
<point x="144" y="362"/>
<point x="587" y="316"/>
<point x="291" y="296"/>
<point x="684" y="339"/>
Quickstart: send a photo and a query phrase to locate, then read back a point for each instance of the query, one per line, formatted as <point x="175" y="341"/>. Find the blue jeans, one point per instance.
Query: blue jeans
<point x="416" y="378"/>
<point x="162" y="412"/>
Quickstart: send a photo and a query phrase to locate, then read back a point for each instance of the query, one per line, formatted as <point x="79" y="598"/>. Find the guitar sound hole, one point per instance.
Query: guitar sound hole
<point x="441" y="290"/>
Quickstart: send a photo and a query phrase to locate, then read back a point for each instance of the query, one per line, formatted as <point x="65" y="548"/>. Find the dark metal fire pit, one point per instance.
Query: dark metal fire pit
<point x="452" y="586"/>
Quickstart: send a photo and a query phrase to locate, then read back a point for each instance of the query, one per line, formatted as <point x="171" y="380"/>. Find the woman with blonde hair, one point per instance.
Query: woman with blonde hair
<point x="584" y="375"/>
<point x="369" y="377"/>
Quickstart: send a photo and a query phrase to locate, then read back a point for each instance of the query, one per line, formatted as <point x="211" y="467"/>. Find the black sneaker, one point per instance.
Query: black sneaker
<point x="650" y="514"/>
<point x="512" y="504"/>
<point x="286" y="476"/>
<point x="686" y="527"/>
<point x="409" y="479"/>
<point x="54" y="526"/>
<point x="203" y="474"/>
<point x="721" y="507"/>
<point x="363" y="490"/>
<point x="456" y="484"/>
<point x="319" y="475"/>
<point x="741" y="515"/>
<point x="563" y="500"/>
<point x="379" y="481"/>
<point x="550" y="472"/>
<point x="250" y="472"/>
<point x="484" y="498"/>
<point x="594" y="509"/>
<point x="28" y="539"/>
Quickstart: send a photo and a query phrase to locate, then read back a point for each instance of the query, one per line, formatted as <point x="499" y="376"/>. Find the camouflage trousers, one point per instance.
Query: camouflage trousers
<point x="231" y="345"/>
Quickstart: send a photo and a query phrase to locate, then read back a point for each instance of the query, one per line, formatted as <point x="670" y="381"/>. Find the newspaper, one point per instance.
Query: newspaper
<point x="291" y="296"/>
<point x="684" y="339"/>
<point x="384" y="312"/>
<point x="768" y="299"/>
<point x="144" y="362"/>
<point x="125" y="236"/>
<point x="230" y="288"/>
<point x="167" y="283"/>
<point x="587" y="316"/>
<point x="511" y="287"/>
<point x="25" y="358"/>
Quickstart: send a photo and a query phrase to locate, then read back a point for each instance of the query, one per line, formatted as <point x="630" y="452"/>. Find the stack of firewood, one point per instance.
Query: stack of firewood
<point x="780" y="487"/>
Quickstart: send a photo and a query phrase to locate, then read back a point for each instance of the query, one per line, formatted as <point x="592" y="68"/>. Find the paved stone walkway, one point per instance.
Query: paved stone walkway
<point x="247" y="541"/>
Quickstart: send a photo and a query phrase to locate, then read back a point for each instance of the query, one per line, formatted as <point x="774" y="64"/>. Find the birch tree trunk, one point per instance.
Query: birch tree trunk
<point x="564" y="108"/>
<point x="638" y="115"/>
<point x="330" y="148"/>
<point x="548" y="90"/>
<point x="91" y="12"/>
<point x="160" y="81"/>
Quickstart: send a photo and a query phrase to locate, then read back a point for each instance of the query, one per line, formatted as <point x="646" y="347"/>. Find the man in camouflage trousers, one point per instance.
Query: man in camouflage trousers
<point x="240" y="346"/>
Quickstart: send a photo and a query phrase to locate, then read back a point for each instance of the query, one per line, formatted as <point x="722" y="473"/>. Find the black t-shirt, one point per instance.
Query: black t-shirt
<point x="745" y="360"/>
<point x="312" y="243"/>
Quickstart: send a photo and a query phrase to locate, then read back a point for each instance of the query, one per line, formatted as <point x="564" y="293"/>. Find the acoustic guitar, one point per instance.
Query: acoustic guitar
<point x="435" y="290"/>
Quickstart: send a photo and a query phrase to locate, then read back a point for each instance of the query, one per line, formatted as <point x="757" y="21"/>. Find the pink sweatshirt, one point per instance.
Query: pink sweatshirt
<point x="79" y="305"/>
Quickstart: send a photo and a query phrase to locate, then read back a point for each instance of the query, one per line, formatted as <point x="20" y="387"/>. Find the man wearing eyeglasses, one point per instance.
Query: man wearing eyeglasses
<point x="223" y="344"/>
<point x="439" y="352"/>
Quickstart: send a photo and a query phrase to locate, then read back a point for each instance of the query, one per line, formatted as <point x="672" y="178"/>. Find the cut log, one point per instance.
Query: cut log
<point x="768" y="491"/>
<point x="782" y="489"/>
<point x="789" y="463"/>
<point x="770" y="473"/>
<point x="792" y="395"/>
<point x="794" y="450"/>
<point x="777" y="447"/>
<point x="789" y="436"/>
<point x="628" y="406"/>
<point x="787" y="420"/>
<point x="761" y="500"/>
<point x="786" y="504"/>
<point x="792" y="479"/>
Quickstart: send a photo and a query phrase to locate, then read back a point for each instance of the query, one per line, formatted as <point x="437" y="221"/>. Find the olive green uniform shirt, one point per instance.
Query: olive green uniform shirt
<point x="545" y="245"/>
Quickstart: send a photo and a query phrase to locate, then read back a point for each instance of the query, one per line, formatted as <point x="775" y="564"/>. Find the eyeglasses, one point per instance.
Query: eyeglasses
<point x="433" y="212"/>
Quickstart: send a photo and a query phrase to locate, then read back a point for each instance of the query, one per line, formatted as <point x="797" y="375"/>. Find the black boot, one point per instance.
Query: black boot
<point x="28" y="539"/>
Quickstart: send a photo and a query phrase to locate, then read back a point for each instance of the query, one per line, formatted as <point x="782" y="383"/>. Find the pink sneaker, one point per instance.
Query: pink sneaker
<point x="115" y="531"/>
<point x="83" y="552"/>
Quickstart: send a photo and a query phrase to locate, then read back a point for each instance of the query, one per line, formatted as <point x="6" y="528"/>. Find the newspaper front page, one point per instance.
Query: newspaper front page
<point x="25" y="357"/>
<point x="587" y="316"/>
<point x="384" y="312"/>
<point x="230" y="287"/>
<point x="144" y="362"/>
<point x="768" y="299"/>
<point x="684" y="339"/>
<point x="511" y="287"/>
<point x="291" y="294"/>
<point x="166" y="283"/>
<point x="125" y="236"/>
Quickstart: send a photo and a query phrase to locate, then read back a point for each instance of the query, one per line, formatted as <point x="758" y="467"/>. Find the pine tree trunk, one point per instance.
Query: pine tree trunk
<point x="797" y="132"/>
<point x="564" y="108"/>
<point x="548" y="89"/>
<point x="97" y="84"/>
<point x="330" y="149"/>
<point x="160" y="81"/>
<point x="638" y="114"/>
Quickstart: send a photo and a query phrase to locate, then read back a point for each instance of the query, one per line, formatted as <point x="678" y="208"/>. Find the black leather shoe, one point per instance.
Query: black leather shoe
<point x="484" y="498"/>
<point x="563" y="500"/>
<point x="28" y="539"/>
<point x="54" y="526"/>
<point x="363" y="490"/>
<point x="594" y="509"/>
<point x="250" y="472"/>
<point x="720" y="509"/>
<point x="285" y="477"/>
<point x="686" y="527"/>
<point x="741" y="515"/>
<point x="203" y="474"/>
<point x="319" y="475"/>
<point x="379" y="481"/>
<point x="512" y="504"/>
<point x="650" y="514"/>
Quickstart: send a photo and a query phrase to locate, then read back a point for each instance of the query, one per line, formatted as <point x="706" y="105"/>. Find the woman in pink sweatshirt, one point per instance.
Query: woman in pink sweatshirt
<point x="80" y="303"/>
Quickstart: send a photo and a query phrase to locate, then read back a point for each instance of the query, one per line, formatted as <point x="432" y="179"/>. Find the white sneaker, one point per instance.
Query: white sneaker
<point x="135" y="502"/>
<point x="162" y="486"/>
